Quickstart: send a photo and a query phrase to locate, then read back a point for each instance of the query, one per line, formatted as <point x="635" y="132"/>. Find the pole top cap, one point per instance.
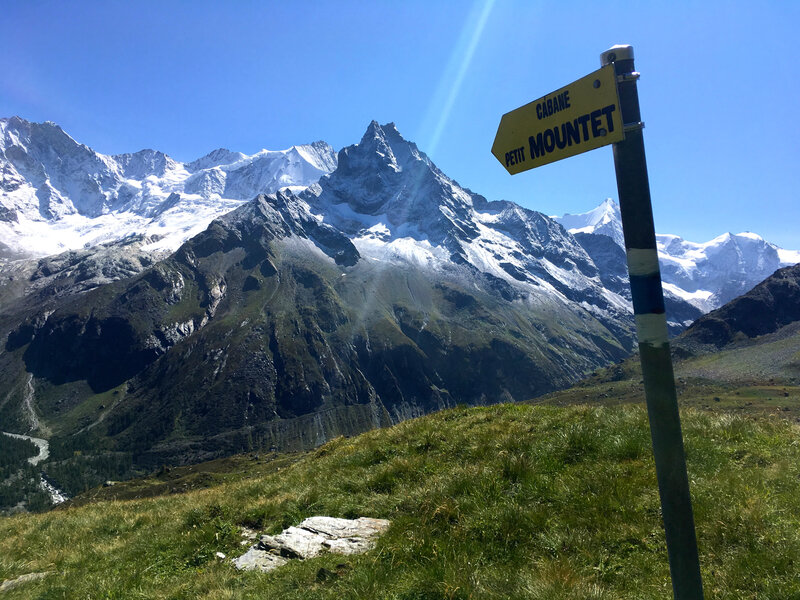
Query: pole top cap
<point x="615" y="53"/>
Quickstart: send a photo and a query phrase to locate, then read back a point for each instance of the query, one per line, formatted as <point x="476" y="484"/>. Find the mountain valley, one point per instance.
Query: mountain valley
<point x="381" y="293"/>
<point x="362" y="289"/>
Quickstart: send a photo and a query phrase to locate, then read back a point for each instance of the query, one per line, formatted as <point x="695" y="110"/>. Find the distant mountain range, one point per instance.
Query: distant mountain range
<point x="382" y="292"/>
<point x="704" y="275"/>
<point x="57" y="194"/>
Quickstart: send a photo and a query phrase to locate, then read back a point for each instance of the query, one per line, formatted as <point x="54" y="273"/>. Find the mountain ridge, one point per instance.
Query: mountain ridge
<point x="381" y="292"/>
<point x="769" y="307"/>
<point x="59" y="194"/>
<point x="172" y="201"/>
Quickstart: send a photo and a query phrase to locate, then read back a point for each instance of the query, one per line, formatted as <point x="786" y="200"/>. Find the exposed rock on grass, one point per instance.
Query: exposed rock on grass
<point x="314" y="536"/>
<point x="12" y="583"/>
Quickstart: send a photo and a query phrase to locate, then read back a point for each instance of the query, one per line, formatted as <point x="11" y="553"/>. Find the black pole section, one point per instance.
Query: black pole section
<point x="651" y="327"/>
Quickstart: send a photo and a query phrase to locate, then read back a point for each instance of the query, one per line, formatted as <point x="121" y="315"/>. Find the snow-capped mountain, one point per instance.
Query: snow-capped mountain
<point x="386" y="197"/>
<point x="389" y="200"/>
<point x="605" y="220"/>
<point x="706" y="275"/>
<point x="396" y="206"/>
<point x="383" y="291"/>
<point x="57" y="194"/>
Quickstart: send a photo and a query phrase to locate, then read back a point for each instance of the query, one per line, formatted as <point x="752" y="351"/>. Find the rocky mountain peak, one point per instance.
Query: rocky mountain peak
<point x="318" y="155"/>
<point x="384" y="174"/>
<point x="41" y="137"/>
<point x="215" y="158"/>
<point x="325" y="154"/>
<point x="605" y="219"/>
<point x="141" y="164"/>
<point x="48" y="175"/>
<point x="376" y="131"/>
<point x="383" y="147"/>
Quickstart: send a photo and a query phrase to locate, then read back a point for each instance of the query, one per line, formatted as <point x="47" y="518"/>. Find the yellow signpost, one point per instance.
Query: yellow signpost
<point x="600" y="109"/>
<point x="577" y="118"/>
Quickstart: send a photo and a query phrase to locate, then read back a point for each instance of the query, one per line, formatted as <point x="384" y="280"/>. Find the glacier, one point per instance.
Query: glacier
<point x="57" y="194"/>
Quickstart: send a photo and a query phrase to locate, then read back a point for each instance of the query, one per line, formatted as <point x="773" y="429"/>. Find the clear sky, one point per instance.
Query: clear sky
<point x="720" y="89"/>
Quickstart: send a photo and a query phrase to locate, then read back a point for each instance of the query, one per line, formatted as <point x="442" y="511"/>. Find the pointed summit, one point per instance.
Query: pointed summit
<point x="374" y="131"/>
<point x="384" y="132"/>
<point x="373" y="147"/>
<point x="141" y="164"/>
<point x="25" y="134"/>
<point x="215" y="158"/>
<point x="384" y="148"/>
<point x="604" y="219"/>
<point x="386" y="174"/>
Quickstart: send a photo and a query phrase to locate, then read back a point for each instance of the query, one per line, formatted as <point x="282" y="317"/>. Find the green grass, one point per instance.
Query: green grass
<point x="766" y="385"/>
<point x="773" y="356"/>
<point x="510" y="501"/>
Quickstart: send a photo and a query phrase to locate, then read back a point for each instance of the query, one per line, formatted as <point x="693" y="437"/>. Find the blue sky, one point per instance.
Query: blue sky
<point x="719" y="91"/>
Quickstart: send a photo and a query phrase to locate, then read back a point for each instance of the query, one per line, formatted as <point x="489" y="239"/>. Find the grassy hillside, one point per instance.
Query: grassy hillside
<point x="509" y="501"/>
<point x="758" y="375"/>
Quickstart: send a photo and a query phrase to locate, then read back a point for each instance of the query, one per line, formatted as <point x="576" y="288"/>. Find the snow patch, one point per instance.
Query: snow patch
<point x="402" y="250"/>
<point x="788" y="257"/>
<point x="693" y="297"/>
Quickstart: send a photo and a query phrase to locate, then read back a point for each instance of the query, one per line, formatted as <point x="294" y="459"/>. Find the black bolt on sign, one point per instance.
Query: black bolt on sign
<point x="600" y="109"/>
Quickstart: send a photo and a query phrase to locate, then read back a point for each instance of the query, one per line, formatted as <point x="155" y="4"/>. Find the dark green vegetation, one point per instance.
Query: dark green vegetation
<point x="21" y="491"/>
<point x="19" y="482"/>
<point x="510" y="501"/>
<point x="13" y="452"/>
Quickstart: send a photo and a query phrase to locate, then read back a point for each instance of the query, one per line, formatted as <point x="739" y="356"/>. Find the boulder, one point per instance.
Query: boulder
<point x="258" y="560"/>
<point x="311" y="538"/>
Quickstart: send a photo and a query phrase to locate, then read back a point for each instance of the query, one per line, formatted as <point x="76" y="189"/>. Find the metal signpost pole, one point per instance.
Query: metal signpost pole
<point x="651" y="326"/>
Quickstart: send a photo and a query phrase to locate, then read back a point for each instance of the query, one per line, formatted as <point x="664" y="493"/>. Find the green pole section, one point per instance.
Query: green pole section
<point x="651" y="328"/>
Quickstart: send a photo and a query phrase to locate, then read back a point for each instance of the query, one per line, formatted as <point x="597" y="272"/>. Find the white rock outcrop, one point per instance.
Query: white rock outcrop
<point x="312" y="537"/>
<point x="10" y="584"/>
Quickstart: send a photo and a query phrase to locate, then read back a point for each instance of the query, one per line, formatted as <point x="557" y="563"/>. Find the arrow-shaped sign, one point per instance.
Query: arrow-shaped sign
<point x="577" y="118"/>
